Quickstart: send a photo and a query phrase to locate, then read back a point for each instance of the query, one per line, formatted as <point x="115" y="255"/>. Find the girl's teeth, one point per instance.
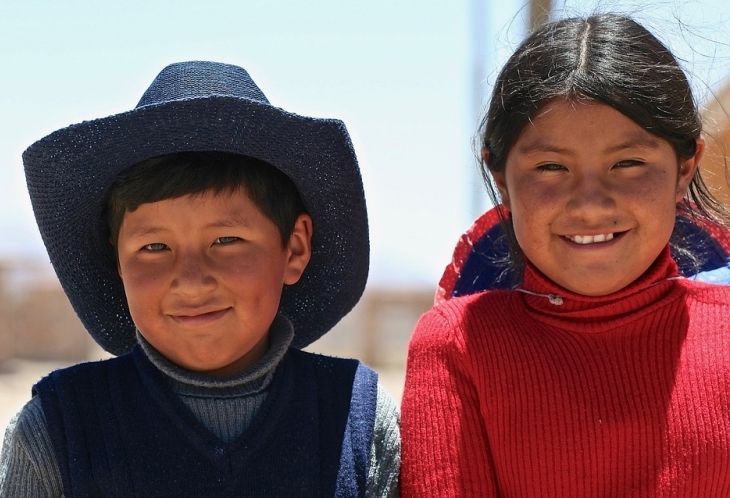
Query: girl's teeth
<point x="590" y="239"/>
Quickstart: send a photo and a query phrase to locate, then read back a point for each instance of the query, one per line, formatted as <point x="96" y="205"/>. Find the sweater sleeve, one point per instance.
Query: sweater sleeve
<point x="445" y="447"/>
<point x="384" y="468"/>
<point x="28" y="467"/>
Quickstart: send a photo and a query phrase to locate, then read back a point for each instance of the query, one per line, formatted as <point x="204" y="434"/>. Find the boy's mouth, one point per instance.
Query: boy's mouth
<point x="200" y="318"/>
<point x="590" y="239"/>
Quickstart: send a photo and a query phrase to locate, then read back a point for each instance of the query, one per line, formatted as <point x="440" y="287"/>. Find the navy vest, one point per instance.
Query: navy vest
<point x="118" y="430"/>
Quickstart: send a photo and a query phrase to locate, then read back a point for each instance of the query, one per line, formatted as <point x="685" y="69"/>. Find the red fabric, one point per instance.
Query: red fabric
<point x="462" y="251"/>
<point x="624" y="395"/>
<point x="717" y="232"/>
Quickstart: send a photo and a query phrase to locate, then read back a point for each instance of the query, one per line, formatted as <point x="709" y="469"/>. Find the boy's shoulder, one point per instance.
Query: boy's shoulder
<point x="338" y="373"/>
<point x="324" y="362"/>
<point x="97" y="367"/>
<point x="323" y="370"/>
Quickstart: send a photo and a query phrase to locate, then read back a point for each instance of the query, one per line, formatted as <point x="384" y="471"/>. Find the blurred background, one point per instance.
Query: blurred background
<point x="409" y="78"/>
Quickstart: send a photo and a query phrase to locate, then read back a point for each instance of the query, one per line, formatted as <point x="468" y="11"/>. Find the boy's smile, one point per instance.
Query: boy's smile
<point x="592" y="195"/>
<point x="203" y="276"/>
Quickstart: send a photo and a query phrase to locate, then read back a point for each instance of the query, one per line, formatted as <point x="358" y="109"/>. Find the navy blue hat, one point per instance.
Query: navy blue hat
<point x="199" y="106"/>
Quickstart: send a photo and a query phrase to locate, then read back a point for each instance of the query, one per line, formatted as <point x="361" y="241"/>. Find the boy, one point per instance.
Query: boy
<point x="173" y="229"/>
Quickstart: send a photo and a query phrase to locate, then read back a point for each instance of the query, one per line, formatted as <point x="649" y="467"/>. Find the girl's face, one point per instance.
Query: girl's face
<point x="592" y="195"/>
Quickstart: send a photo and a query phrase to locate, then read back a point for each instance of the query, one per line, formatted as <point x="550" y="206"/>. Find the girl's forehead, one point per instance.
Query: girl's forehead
<point x="561" y="124"/>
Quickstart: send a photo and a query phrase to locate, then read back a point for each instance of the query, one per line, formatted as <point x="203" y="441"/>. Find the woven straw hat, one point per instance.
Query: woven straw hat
<point x="199" y="106"/>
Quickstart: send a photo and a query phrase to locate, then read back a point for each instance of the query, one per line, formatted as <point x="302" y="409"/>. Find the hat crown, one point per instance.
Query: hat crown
<point x="201" y="79"/>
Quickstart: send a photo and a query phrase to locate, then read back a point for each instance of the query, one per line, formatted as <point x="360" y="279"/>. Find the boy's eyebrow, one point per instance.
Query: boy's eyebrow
<point x="144" y="230"/>
<point x="232" y="220"/>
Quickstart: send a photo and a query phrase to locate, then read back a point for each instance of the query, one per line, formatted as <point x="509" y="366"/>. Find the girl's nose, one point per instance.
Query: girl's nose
<point x="590" y="197"/>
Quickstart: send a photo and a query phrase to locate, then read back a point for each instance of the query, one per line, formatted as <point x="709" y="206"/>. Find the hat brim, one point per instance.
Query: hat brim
<point x="70" y="171"/>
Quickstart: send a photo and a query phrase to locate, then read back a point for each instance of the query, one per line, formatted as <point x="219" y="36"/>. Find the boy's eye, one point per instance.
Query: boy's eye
<point x="628" y="163"/>
<point x="155" y="247"/>
<point x="226" y="240"/>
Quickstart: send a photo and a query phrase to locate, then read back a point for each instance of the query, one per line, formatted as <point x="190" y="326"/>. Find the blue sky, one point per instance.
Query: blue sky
<point x="398" y="73"/>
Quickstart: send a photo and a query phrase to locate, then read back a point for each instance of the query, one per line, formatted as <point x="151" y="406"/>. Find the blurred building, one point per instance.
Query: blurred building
<point x="716" y="120"/>
<point x="38" y="323"/>
<point x="36" y="320"/>
<point x="378" y="328"/>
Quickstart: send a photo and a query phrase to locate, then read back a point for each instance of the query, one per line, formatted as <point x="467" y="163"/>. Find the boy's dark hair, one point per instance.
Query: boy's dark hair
<point x="606" y="58"/>
<point x="175" y="175"/>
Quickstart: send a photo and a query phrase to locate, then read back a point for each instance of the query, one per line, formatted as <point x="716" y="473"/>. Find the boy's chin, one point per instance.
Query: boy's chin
<point x="225" y="367"/>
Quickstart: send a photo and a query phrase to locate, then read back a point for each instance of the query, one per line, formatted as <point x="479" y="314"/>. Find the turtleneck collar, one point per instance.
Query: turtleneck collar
<point x="579" y="313"/>
<point x="254" y="379"/>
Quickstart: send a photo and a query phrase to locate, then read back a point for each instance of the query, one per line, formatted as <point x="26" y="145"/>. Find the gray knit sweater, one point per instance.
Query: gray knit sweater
<point x="226" y="407"/>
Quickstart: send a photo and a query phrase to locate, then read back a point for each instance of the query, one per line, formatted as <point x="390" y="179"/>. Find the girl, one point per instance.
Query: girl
<point x="602" y="372"/>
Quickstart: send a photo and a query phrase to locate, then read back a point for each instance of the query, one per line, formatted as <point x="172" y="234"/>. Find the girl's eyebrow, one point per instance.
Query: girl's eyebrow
<point x="539" y="145"/>
<point x="636" y="140"/>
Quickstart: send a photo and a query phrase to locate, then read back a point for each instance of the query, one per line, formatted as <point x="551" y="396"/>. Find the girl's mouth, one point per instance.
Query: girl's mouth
<point x="590" y="239"/>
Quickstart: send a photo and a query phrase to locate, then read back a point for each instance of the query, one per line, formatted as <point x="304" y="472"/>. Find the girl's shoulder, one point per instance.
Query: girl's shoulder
<point x="456" y="318"/>
<point x="484" y="302"/>
<point x="712" y="288"/>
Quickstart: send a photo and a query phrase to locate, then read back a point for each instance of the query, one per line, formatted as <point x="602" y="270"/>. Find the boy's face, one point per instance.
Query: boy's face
<point x="204" y="274"/>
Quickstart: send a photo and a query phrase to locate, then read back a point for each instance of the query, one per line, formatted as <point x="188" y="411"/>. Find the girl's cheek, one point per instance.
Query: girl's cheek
<point x="531" y="195"/>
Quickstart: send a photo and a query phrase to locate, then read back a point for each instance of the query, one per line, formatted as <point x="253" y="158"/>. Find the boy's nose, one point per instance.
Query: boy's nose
<point x="590" y="197"/>
<point x="192" y="274"/>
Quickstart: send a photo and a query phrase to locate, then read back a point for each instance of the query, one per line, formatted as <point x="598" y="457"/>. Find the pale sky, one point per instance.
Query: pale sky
<point x="398" y="73"/>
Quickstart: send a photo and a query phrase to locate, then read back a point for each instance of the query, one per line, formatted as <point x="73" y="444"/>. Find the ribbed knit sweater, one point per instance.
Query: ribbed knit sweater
<point x="508" y="394"/>
<point x="225" y="406"/>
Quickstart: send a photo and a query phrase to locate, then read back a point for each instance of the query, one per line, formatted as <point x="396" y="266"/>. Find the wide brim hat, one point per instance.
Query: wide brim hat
<point x="199" y="106"/>
<point x="481" y="259"/>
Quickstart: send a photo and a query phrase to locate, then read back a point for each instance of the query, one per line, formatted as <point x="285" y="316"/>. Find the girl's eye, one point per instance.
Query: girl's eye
<point x="155" y="247"/>
<point x="226" y="240"/>
<point x="551" y="167"/>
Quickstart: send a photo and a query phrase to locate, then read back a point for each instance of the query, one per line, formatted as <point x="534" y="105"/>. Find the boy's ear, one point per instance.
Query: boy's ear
<point x="299" y="249"/>
<point x="499" y="180"/>
<point x="687" y="169"/>
<point x="116" y="255"/>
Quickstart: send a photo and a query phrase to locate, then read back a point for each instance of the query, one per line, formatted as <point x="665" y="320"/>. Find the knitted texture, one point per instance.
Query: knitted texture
<point x="199" y="106"/>
<point x="293" y="448"/>
<point x="624" y="395"/>
<point x="225" y="407"/>
<point x="385" y="452"/>
<point x="29" y="469"/>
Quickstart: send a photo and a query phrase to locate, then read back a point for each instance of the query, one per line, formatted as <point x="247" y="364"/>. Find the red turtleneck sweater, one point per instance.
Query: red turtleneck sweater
<point x="623" y="395"/>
